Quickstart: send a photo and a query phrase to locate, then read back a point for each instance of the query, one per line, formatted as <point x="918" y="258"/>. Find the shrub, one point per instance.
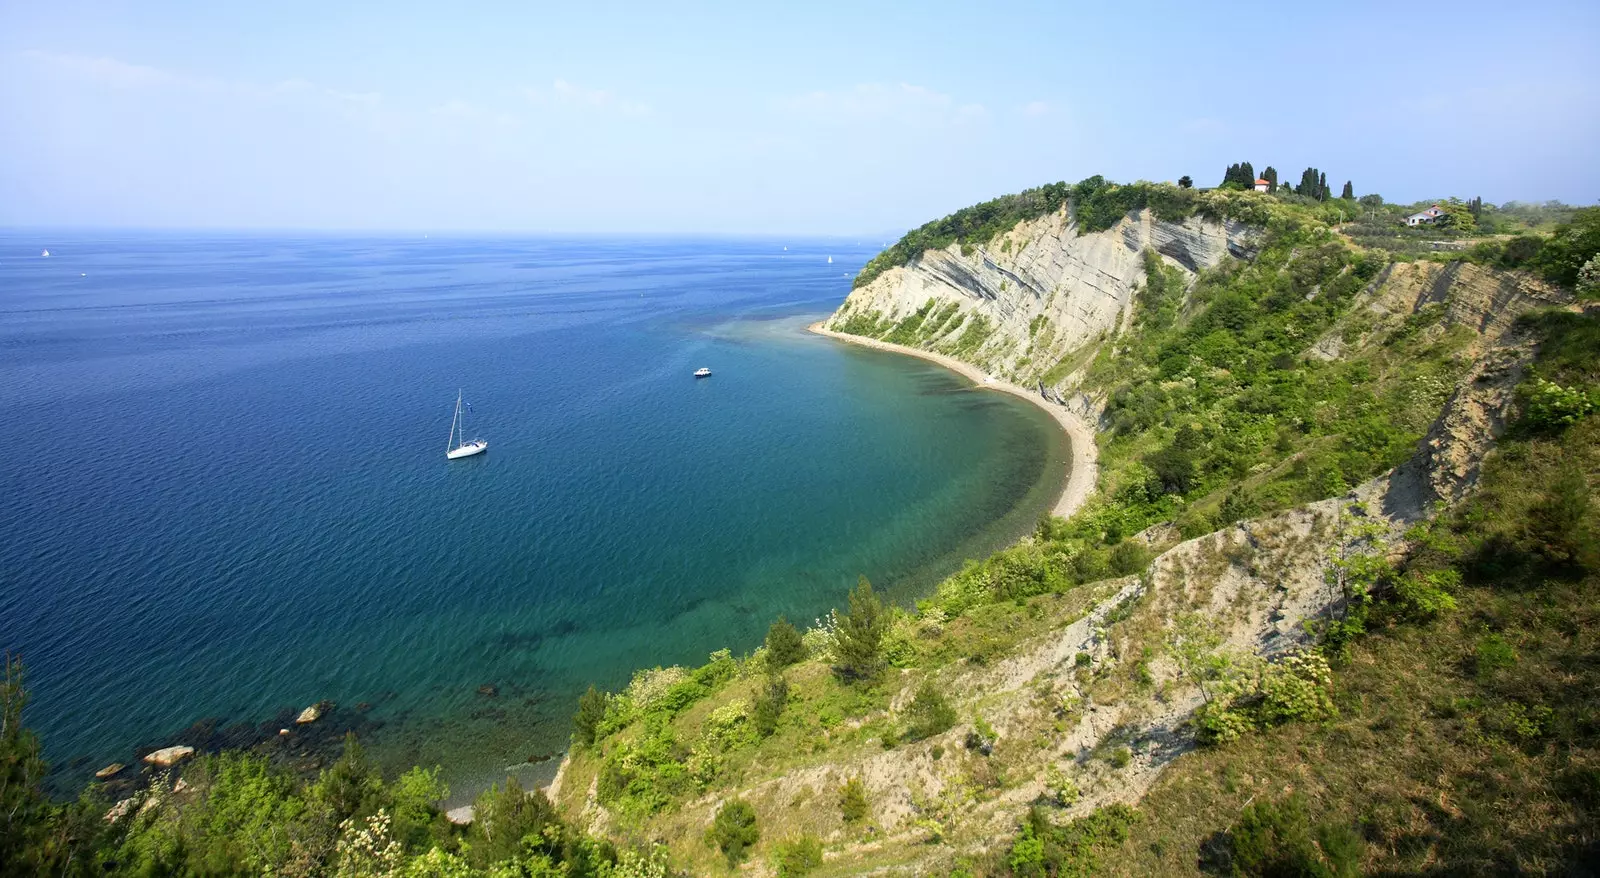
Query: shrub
<point x="1278" y="838"/>
<point x="1561" y="525"/>
<point x="1128" y="557"/>
<point x="1424" y="595"/>
<point x="1492" y="654"/>
<point x="853" y="800"/>
<point x="1570" y="247"/>
<point x="797" y="856"/>
<point x="734" y="830"/>
<point x="1551" y="407"/>
<point x="1074" y="849"/>
<point x="1296" y="689"/>
<point x="784" y="645"/>
<point x="928" y="714"/>
<point x="1218" y="723"/>
<point x="769" y="706"/>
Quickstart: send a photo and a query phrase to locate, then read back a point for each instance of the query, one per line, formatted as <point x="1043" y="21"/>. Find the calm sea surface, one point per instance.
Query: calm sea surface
<point x="226" y="493"/>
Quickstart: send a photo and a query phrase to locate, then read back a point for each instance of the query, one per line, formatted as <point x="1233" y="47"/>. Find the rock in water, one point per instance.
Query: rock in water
<point x="460" y="816"/>
<point x="169" y="756"/>
<point x="109" y="770"/>
<point x="489" y="690"/>
<point x="309" y="715"/>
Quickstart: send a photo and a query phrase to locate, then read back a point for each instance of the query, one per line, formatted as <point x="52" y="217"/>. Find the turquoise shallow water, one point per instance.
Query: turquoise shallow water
<point x="241" y="503"/>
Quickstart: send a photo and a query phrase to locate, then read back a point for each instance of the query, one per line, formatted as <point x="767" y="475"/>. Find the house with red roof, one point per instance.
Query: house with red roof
<point x="1425" y="218"/>
<point x="1263" y="185"/>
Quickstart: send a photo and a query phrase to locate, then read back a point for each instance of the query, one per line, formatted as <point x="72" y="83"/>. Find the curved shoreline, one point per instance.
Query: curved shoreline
<point x="1083" y="458"/>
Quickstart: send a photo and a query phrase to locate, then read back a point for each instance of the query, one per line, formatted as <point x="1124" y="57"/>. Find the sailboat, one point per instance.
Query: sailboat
<point x="830" y="260"/>
<point x="45" y="253"/>
<point x="458" y="426"/>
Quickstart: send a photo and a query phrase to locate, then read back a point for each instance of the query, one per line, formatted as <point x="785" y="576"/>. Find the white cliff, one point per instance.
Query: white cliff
<point x="1027" y="303"/>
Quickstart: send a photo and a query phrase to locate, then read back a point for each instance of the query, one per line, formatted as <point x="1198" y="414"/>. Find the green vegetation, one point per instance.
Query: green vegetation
<point x="1079" y="848"/>
<point x="1277" y="838"/>
<point x="858" y="646"/>
<point x="734" y="831"/>
<point x="770" y="704"/>
<point x="784" y="646"/>
<point x="1480" y="695"/>
<point x="797" y="856"/>
<point x="929" y="714"/>
<point x="237" y="813"/>
<point x="853" y="805"/>
<point x="1097" y="205"/>
<point x="1239" y="176"/>
<point x="979" y="223"/>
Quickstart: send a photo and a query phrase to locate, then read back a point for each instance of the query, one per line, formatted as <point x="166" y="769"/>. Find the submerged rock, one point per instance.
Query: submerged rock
<point x="109" y="770"/>
<point x="309" y="715"/>
<point x="169" y="756"/>
<point x="489" y="690"/>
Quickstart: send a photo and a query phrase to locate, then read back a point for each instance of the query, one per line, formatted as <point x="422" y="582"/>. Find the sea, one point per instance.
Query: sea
<point x="226" y="498"/>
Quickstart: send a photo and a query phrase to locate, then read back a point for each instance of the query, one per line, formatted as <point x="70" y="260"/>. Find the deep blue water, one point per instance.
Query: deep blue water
<point x="226" y="492"/>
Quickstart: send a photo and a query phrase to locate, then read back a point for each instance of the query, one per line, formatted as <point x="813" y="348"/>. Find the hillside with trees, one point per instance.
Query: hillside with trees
<point x="1332" y="610"/>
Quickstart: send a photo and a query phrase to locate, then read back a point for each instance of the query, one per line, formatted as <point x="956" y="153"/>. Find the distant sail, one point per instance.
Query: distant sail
<point x="45" y="253"/>
<point x="830" y="260"/>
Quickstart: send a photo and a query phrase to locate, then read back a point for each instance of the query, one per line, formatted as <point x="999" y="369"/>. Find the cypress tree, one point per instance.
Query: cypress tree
<point x="1247" y="175"/>
<point x="1308" y="183"/>
<point x="1322" y="187"/>
<point x="1271" y="176"/>
<point x="1348" y="192"/>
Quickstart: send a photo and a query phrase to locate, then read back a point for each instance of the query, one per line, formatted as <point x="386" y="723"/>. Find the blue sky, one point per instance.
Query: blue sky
<point x="851" y="118"/>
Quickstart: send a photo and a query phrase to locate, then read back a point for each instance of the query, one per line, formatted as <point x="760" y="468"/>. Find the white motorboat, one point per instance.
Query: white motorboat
<point x="702" y="372"/>
<point x="458" y="428"/>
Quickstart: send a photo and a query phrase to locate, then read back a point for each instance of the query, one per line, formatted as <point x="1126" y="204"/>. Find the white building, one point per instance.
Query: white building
<point x="1425" y="218"/>
<point x="1263" y="185"/>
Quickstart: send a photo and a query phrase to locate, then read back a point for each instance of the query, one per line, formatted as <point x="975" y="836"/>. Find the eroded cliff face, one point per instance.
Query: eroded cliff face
<point x="1030" y="303"/>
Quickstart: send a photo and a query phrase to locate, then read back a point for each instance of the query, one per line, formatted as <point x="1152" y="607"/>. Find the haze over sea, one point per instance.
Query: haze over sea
<point x="227" y="495"/>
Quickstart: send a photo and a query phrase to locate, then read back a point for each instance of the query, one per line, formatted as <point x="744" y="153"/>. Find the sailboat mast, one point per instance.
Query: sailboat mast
<point x="450" y="443"/>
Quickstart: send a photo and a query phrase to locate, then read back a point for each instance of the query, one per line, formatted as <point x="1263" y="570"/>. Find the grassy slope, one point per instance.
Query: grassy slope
<point x="1451" y="754"/>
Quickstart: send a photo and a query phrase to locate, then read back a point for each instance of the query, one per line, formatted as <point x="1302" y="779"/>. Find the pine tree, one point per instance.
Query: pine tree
<point x="860" y="635"/>
<point x="784" y="645"/>
<point x="1185" y="183"/>
<point x="591" y="710"/>
<point x="1348" y="193"/>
